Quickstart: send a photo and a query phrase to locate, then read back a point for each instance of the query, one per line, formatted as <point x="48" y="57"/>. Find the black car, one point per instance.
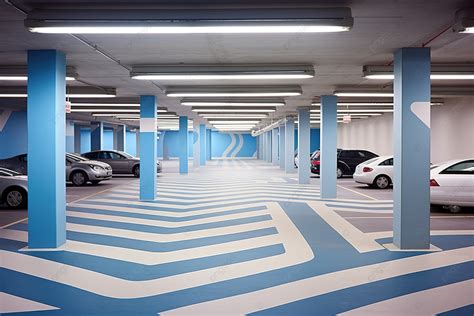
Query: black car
<point x="347" y="161"/>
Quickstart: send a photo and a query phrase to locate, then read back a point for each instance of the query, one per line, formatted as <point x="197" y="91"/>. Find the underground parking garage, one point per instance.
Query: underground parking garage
<point x="265" y="157"/>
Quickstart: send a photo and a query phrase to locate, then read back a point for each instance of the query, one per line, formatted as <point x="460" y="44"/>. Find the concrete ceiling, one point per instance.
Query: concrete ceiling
<point x="380" y="27"/>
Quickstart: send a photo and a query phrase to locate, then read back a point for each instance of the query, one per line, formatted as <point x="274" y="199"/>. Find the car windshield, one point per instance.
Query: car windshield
<point x="369" y="161"/>
<point x="75" y="157"/>
<point x="10" y="172"/>
<point x="126" y="155"/>
<point x="315" y="155"/>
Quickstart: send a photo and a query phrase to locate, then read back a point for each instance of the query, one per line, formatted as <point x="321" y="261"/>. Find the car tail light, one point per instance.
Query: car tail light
<point x="315" y="162"/>
<point x="433" y="183"/>
<point x="367" y="169"/>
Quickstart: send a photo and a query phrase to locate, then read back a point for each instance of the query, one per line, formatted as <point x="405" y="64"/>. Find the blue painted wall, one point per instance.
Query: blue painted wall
<point x="238" y="145"/>
<point x="170" y="144"/>
<point x="13" y="135"/>
<point x="131" y="143"/>
<point x="85" y="140"/>
<point x="108" y="142"/>
<point x="313" y="139"/>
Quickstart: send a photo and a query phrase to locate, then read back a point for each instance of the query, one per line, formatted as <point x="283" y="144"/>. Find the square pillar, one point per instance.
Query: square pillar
<point x="148" y="148"/>
<point x="328" y="159"/>
<point x="183" y="144"/>
<point x="208" y="144"/>
<point x="269" y="146"/>
<point x="202" y="144"/>
<point x="264" y="146"/>
<point x="46" y="149"/>
<point x="196" y="145"/>
<point x="120" y="137"/>
<point x="281" y="147"/>
<point x="275" y="146"/>
<point x="137" y="142"/>
<point x="290" y="145"/>
<point x="69" y="136"/>
<point x="77" y="138"/>
<point x="97" y="135"/>
<point x="304" y="130"/>
<point x="411" y="131"/>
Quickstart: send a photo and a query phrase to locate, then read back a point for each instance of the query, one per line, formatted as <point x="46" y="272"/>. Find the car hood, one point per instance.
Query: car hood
<point x="94" y="163"/>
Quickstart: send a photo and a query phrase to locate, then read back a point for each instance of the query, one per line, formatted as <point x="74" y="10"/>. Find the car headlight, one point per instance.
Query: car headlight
<point x="96" y="168"/>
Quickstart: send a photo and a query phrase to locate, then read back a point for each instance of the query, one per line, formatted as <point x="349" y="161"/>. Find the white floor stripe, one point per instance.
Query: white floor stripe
<point x="388" y="234"/>
<point x="206" y="211"/>
<point x="15" y="304"/>
<point x="144" y="236"/>
<point x="214" y="193"/>
<point x="150" y="257"/>
<point x="299" y="290"/>
<point x="373" y="210"/>
<point x="428" y="302"/>
<point x="360" y="241"/>
<point x="168" y="224"/>
<point x="297" y="251"/>
<point x="224" y="189"/>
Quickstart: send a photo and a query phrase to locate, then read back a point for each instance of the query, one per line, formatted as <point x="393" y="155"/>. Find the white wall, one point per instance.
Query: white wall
<point x="452" y="132"/>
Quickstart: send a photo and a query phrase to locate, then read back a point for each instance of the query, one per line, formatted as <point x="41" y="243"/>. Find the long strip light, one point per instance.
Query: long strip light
<point x="20" y="73"/>
<point x="72" y="92"/>
<point x="237" y="110"/>
<point x="234" y="115"/>
<point x="221" y="72"/>
<point x="438" y="72"/>
<point x="189" y="21"/>
<point x="24" y="78"/>
<point x="359" y="104"/>
<point x="234" y="91"/>
<point x="371" y="111"/>
<point x="232" y="122"/>
<point x="233" y="102"/>
<point x="364" y="94"/>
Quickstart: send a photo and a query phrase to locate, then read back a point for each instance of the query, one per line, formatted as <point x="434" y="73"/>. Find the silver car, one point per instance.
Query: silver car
<point x="13" y="188"/>
<point x="79" y="170"/>
<point x="121" y="162"/>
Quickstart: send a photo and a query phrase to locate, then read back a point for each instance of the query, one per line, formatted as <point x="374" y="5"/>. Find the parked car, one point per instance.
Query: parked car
<point x="347" y="161"/>
<point x="79" y="170"/>
<point x="452" y="184"/>
<point x="297" y="160"/>
<point x="120" y="161"/>
<point x="376" y="172"/>
<point x="13" y="188"/>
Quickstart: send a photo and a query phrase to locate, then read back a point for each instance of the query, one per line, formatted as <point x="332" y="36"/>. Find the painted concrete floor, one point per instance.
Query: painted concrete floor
<point x="233" y="238"/>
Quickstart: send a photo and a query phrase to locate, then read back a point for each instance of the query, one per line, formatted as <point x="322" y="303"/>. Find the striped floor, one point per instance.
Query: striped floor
<point x="235" y="237"/>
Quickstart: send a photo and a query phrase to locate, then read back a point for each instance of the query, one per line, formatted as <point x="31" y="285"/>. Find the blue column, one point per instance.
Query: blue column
<point x="290" y="145"/>
<point x="269" y="146"/>
<point x="69" y="136"/>
<point x="77" y="138"/>
<point x="281" y="147"/>
<point x="148" y="147"/>
<point x="275" y="146"/>
<point x="121" y="137"/>
<point x="328" y="160"/>
<point x="97" y="135"/>
<point x="137" y="142"/>
<point x="196" y="145"/>
<point x="304" y="130"/>
<point x="264" y="146"/>
<point x="208" y="144"/>
<point x="411" y="192"/>
<point x="183" y="143"/>
<point x="46" y="148"/>
<point x="203" y="137"/>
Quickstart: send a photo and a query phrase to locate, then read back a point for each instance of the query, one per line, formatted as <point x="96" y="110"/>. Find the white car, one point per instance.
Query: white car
<point x="376" y="172"/>
<point x="452" y="184"/>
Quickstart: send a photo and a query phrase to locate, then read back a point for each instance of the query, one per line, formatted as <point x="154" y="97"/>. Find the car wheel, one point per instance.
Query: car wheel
<point x="382" y="182"/>
<point x="95" y="182"/>
<point x="79" y="178"/>
<point x="339" y="173"/>
<point x="136" y="171"/>
<point x="16" y="198"/>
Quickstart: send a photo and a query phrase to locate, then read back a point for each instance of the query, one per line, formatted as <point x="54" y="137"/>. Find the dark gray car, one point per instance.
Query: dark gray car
<point x="79" y="170"/>
<point x="121" y="162"/>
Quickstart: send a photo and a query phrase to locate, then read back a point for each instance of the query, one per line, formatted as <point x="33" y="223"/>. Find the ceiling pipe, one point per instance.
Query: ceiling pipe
<point x="268" y="127"/>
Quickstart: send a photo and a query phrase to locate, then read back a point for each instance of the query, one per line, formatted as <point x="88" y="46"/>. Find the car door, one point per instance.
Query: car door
<point x="386" y="168"/>
<point x="120" y="163"/>
<point x="457" y="182"/>
<point x="349" y="159"/>
<point x="68" y="168"/>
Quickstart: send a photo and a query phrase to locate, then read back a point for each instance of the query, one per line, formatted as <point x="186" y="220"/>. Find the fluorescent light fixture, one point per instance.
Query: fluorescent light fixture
<point x="233" y="102"/>
<point x="360" y="104"/>
<point x="221" y="72"/>
<point x="106" y="104"/>
<point x="232" y="122"/>
<point x="364" y="94"/>
<point x="234" y="91"/>
<point x="438" y="72"/>
<point x="233" y="116"/>
<point x="189" y="21"/>
<point x="359" y="111"/>
<point x="20" y="73"/>
<point x="237" y="110"/>
<point x="71" y="92"/>
<point x="464" y="21"/>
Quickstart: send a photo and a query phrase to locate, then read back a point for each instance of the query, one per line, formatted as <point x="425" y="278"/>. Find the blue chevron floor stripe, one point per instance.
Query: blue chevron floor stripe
<point x="121" y="259"/>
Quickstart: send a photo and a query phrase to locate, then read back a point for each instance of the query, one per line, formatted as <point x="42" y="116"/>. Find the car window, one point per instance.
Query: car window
<point x="465" y="167"/>
<point x="91" y="155"/>
<point x="387" y="162"/>
<point x="344" y="154"/>
<point x="116" y="156"/>
<point x="24" y="158"/>
<point x="5" y="174"/>
<point x="127" y="155"/>
<point x="103" y="155"/>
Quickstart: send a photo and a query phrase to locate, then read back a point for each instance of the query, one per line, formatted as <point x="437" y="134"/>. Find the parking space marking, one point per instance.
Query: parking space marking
<point x="356" y="192"/>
